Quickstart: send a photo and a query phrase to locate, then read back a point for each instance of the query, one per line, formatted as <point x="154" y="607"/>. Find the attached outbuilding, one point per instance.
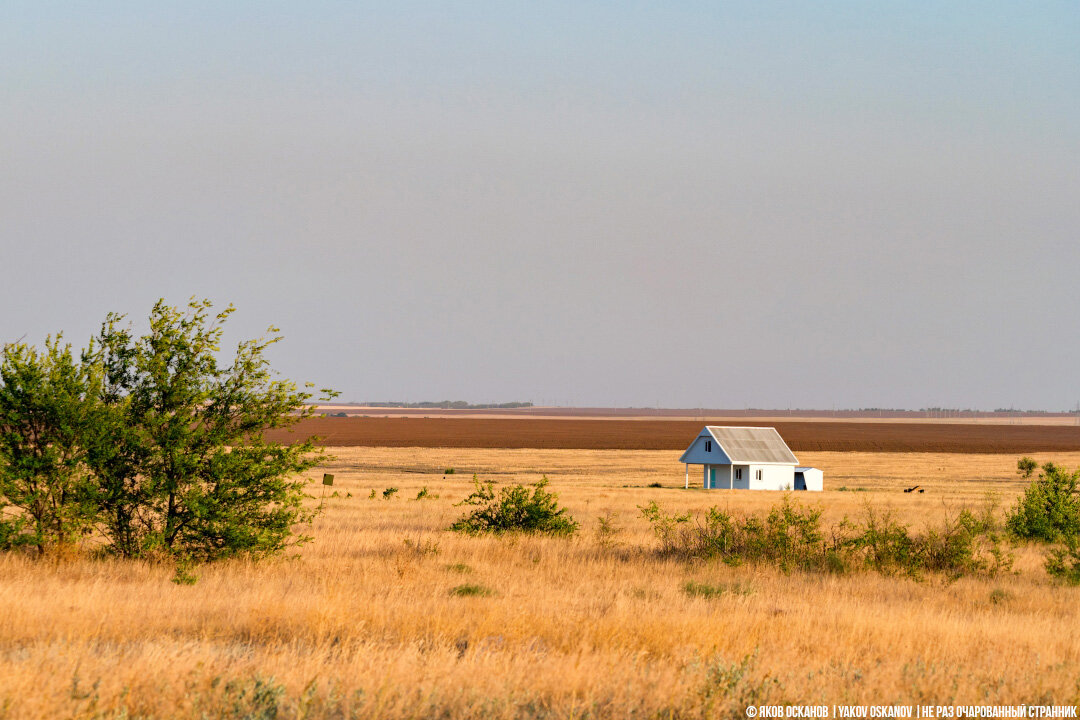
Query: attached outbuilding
<point x="748" y="458"/>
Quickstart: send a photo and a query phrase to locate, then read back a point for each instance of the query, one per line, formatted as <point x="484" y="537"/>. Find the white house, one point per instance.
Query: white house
<point x="748" y="458"/>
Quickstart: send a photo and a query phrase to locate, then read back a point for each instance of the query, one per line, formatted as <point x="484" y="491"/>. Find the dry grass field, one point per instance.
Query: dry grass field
<point x="366" y="621"/>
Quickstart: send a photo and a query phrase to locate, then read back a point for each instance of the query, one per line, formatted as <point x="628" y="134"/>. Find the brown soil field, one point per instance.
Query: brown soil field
<point x="817" y="436"/>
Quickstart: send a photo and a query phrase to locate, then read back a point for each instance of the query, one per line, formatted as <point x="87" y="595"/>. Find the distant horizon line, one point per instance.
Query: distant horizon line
<point x="699" y="410"/>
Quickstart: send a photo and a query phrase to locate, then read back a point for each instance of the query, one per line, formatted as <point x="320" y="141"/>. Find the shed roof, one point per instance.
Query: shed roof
<point x="752" y="444"/>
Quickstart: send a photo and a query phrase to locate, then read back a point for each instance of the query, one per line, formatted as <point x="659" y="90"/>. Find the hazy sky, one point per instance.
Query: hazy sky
<point x="720" y="204"/>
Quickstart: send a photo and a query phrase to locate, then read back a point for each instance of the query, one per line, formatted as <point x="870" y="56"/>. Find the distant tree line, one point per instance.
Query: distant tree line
<point x="450" y="405"/>
<point x="150" y="446"/>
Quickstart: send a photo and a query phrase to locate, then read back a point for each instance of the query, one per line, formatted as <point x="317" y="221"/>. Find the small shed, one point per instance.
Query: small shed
<point x="748" y="458"/>
<point x="808" y="478"/>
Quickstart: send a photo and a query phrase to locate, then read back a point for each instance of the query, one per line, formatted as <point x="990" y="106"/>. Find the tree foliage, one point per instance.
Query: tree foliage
<point x="1026" y="466"/>
<point x="155" y="441"/>
<point x="1049" y="510"/>
<point x="46" y="409"/>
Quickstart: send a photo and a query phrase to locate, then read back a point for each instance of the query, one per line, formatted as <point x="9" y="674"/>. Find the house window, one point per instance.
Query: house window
<point x="757" y="475"/>
<point x="708" y="446"/>
<point x="738" y="473"/>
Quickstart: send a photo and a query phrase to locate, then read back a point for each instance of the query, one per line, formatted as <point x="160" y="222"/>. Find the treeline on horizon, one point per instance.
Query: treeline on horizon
<point x="464" y="405"/>
<point x="450" y="405"/>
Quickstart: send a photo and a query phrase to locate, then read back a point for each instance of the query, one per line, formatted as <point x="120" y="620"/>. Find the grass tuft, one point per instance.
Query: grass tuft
<point x="470" y="590"/>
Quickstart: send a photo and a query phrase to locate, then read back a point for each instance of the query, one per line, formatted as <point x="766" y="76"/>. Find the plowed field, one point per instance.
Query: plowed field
<point x="676" y="435"/>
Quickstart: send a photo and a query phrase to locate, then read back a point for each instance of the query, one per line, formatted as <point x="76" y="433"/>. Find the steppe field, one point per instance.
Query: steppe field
<point x="387" y="614"/>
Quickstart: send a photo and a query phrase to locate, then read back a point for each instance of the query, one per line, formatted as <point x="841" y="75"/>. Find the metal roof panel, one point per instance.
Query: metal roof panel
<point x="752" y="444"/>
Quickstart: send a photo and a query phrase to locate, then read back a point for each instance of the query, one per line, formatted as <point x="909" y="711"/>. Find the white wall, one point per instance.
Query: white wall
<point x="815" y="479"/>
<point x="773" y="477"/>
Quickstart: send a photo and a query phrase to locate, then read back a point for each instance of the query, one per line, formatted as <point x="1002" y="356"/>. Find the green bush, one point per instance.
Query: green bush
<point x="389" y="493"/>
<point x="514" y="509"/>
<point x="1025" y="466"/>
<point x="1049" y="510"/>
<point x="607" y="531"/>
<point x="790" y="538"/>
<point x="886" y="544"/>
<point x="1064" y="563"/>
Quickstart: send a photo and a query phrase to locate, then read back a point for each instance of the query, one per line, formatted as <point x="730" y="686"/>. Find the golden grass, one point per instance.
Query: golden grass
<point x="364" y="622"/>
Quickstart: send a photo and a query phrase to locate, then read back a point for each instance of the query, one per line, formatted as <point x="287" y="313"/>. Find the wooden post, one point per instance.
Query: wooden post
<point x="687" y="476"/>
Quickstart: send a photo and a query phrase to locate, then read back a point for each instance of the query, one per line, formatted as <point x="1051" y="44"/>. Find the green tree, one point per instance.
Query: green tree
<point x="48" y="401"/>
<point x="182" y="466"/>
<point x="1025" y="466"/>
<point x="1050" y="507"/>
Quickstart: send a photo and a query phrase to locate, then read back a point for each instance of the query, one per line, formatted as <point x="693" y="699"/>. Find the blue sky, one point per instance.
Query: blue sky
<point x="686" y="204"/>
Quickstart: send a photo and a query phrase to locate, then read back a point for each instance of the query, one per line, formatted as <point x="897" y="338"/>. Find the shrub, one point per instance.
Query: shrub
<point x="667" y="528"/>
<point x="420" y="547"/>
<point x="448" y="471"/>
<point x="729" y="688"/>
<point x="886" y="544"/>
<point x="514" y="509"/>
<point x="184" y="573"/>
<point x="1025" y="466"/>
<point x="1049" y="510"/>
<point x="1064" y="563"/>
<point x="970" y="544"/>
<point x="389" y="493"/>
<point x="704" y="590"/>
<point x="790" y="537"/>
<point x="425" y="495"/>
<point x="607" y="531"/>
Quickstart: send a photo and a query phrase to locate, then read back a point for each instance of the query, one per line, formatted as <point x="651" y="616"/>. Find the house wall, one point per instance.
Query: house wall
<point x="773" y="477"/>
<point x="725" y="477"/>
<point x="721" y="477"/>
<point x="814" y="479"/>
<point x="696" y="454"/>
